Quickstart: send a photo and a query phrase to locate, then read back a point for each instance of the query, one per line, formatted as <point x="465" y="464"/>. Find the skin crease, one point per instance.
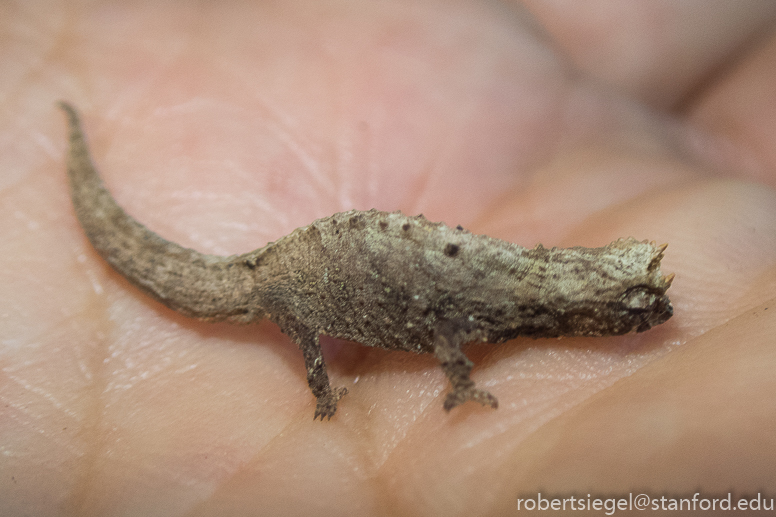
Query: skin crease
<point x="223" y="128"/>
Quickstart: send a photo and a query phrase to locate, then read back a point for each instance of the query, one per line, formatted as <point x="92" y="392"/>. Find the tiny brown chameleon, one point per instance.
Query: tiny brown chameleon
<point x="384" y="280"/>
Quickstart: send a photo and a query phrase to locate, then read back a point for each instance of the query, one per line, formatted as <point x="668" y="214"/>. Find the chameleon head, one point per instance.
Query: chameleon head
<point x="611" y="290"/>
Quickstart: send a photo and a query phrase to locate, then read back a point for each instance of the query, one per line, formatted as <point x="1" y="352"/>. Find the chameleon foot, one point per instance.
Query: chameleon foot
<point x="327" y="403"/>
<point x="459" y="396"/>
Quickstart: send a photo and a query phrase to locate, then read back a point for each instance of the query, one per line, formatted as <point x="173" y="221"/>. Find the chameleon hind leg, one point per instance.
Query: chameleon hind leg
<point x="317" y="377"/>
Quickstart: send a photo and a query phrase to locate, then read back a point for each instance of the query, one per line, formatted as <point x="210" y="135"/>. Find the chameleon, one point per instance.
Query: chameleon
<point x="382" y="279"/>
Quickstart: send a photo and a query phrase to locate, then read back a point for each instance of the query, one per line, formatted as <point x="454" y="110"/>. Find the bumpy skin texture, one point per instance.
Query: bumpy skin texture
<point x="385" y="280"/>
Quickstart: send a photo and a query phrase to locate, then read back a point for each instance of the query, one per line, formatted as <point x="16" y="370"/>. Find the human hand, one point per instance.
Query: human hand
<point x="225" y="127"/>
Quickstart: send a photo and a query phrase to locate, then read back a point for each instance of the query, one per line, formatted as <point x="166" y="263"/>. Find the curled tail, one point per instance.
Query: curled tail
<point x="198" y="285"/>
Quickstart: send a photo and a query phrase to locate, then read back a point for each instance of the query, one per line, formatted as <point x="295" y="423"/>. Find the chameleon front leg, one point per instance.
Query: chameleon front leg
<point x="457" y="367"/>
<point x="317" y="378"/>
